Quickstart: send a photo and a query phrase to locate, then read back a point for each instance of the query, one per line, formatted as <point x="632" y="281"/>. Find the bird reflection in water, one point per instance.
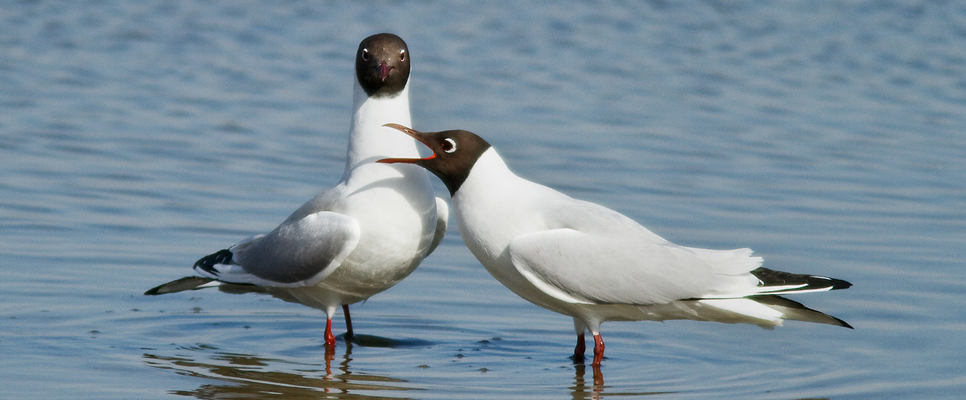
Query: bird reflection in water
<point x="580" y="389"/>
<point x="584" y="389"/>
<point x="234" y="375"/>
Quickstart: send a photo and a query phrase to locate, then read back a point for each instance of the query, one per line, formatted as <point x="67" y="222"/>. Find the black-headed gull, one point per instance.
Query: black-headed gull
<point x="362" y="236"/>
<point x="594" y="264"/>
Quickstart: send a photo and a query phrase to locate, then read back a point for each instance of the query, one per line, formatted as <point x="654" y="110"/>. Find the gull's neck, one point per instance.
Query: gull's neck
<point x="369" y="140"/>
<point x="490" y="178"/>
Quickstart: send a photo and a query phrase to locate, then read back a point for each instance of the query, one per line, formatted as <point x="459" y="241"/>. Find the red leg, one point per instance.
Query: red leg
<point x="579" y="350"/>
<point x="598" y="349"/>
<point x="329" y="337"/>
<point x="348" y="322"/>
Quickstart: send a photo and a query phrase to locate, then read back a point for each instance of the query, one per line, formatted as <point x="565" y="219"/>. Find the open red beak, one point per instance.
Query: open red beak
<point x="416" y="135"/>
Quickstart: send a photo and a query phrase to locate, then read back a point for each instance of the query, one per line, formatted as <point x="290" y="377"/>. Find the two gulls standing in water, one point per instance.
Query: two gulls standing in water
<point x="569" y="256"/>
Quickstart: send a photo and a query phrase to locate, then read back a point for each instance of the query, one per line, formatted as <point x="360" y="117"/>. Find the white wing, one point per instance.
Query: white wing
<point x="592" y="254"/>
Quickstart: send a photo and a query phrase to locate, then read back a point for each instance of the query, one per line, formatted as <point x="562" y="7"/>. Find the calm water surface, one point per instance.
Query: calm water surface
<point x="138" y="136"/>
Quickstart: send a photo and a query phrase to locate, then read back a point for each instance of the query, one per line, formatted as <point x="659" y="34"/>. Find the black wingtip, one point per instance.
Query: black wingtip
<point x="207" y="263"/>
<point x="799" y="312"/>
<point x="838" y="284"/>
<point x="770" y="277"/>
<point x="186" y="283"/>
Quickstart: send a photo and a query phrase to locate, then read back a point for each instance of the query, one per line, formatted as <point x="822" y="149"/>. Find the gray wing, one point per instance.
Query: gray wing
<point x="597" y="255"/>
<point x="300" y="252"/>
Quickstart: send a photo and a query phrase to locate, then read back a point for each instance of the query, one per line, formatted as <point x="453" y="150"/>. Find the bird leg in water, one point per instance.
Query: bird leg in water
<point x="598" y="348"/>
<point x="348" y="323"/>
<point x="579" y="350"/>
<point x="329" y="337"/>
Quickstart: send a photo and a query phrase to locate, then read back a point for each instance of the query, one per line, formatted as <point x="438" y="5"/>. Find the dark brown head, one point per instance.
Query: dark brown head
<point x="454" y="154"/>
<point x="382" y="65"/>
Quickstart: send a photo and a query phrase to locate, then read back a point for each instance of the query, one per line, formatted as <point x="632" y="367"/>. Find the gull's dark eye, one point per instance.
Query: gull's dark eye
<point x="365" y="54"/>
<point x="402" y="55"/>
<point x="448" y="145"/>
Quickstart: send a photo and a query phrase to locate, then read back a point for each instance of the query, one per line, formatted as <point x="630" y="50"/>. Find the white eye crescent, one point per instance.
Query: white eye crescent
<point x="448" y="145"/>
<point x="365" y="54"/>
<point x="402" y="55"/>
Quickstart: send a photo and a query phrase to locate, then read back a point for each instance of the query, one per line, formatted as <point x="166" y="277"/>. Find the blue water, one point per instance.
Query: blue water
<point x="139" y="136"/>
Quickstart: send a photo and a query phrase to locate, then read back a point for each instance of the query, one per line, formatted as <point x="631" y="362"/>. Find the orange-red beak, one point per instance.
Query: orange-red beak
<point x="416" y="135"/>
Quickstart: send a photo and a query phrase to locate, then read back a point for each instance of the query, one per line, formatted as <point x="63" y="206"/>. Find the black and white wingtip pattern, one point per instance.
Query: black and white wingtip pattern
<point x="217" y="269"/>
<point x="797" y="311"/>
<point x="772" y="283"/>
<point x="778" y="282"/>
<point x="209" y="264"/>
<point x="221" y="268"/>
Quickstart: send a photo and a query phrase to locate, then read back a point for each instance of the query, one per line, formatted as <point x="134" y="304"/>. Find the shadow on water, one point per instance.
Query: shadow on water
<point x="249" y="376"/>
<point x="378" y="341"/>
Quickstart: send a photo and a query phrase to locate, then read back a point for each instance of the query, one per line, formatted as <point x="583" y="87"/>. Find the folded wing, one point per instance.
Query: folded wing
<point x="593" y="254"/>
<point x="299" y="252"/>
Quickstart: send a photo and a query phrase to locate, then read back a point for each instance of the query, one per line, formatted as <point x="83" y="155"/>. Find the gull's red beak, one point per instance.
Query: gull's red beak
<point x="416" y="135"/>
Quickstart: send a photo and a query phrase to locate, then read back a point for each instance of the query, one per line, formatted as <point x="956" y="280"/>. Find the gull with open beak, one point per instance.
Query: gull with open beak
<point x="589" y="262"/>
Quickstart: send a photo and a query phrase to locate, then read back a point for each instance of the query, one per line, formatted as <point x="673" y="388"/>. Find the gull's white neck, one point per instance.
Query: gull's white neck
<point x="489" y="183"/>
<point x="369" y="140"/>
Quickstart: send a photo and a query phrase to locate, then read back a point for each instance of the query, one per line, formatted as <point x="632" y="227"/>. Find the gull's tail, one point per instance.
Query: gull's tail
<point x="763" y="304"/>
